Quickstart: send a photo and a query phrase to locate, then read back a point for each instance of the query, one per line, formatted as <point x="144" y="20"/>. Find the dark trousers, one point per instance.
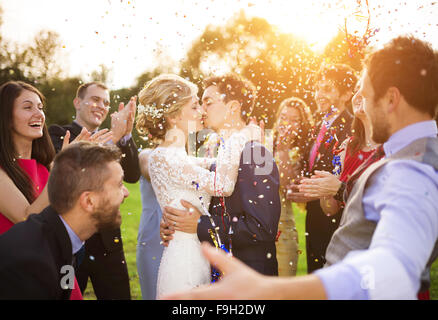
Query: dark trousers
<point x="319" y="231"/>
<point x="105" y="265"/>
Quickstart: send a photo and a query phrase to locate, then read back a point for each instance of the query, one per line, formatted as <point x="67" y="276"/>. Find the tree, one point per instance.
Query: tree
<point x="59" y="95"/>
<point x="124" y="94"/>
<point x="11" y="61"/>
<point x="44" y="55"/>
<point x="341" y="50"/>
<point x="102" y="74"/>
<point x="280" y="65"/>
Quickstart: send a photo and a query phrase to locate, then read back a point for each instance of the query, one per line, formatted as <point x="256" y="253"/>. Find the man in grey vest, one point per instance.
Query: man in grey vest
<point x="389" y="229"/>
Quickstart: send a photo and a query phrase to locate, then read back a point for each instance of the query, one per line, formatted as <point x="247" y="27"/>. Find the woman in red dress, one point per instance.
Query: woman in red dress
<point x="25" y="158"/>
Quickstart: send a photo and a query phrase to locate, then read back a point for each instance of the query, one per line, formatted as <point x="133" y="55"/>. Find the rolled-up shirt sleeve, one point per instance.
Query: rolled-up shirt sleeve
<point x="403" y="200"/>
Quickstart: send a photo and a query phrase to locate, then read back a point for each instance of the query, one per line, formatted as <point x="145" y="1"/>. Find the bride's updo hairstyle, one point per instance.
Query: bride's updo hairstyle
<point x="161" y="98"/>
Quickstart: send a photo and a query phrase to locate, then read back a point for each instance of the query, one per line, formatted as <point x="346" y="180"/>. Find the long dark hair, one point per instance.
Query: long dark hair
<point x="42" y="148"/>
<point x="357" y="141"/>
<point x="306" y="124"/>
<point x="357" y="136"/>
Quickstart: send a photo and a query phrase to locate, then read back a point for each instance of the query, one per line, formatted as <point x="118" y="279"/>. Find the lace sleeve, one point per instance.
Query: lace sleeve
<point x="227" y="164"/>
<point x="203" y="162"/>
<point x="184" y="171"/>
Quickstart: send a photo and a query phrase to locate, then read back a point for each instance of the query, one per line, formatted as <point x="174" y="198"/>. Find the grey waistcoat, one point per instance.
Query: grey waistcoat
<point x="355" y="231"/>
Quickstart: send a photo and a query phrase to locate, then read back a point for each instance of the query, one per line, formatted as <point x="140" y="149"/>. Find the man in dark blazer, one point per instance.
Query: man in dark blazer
<point x="247" y="221"/>
<point x="103" y="260"/>
<point x="334" y="85"/>
<point x="85" y="190"/>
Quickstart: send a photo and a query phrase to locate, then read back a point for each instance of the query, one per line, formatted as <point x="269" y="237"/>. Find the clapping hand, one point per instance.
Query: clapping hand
<point x="101" y="136"/>
<point x="122" y="121"/>
<point x="321" y="185"/>
<point x="294" y="194"/>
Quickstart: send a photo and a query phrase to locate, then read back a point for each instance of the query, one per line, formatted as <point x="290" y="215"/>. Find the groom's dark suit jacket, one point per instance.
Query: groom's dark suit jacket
<point x="254" y="212"/>
<point x="32" y="254"/>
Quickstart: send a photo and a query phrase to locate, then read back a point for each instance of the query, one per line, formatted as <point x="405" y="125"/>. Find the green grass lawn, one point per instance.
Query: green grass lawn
<point x="131" y="212"/>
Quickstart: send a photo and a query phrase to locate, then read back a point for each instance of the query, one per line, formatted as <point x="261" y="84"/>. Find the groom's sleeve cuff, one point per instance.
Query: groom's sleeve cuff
<point x="203" y="225"/>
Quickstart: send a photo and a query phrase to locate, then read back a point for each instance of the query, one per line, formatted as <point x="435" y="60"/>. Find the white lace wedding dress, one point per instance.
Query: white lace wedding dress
<point x="175" y="176"/>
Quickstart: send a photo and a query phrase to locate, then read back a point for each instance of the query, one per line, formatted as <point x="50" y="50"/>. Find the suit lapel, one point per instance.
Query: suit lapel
<point x="61" y="234"/>
<point x="75" y="130"/>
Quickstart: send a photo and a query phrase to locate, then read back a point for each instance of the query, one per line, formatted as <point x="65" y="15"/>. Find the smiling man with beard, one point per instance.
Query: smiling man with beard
<point x="85" y="191"/>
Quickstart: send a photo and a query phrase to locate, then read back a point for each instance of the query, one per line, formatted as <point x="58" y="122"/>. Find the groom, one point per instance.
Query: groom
<point x="246" y="221"/>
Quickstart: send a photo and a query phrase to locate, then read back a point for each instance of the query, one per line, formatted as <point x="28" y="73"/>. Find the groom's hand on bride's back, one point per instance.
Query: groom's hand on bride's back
<point x="185" y="220"/>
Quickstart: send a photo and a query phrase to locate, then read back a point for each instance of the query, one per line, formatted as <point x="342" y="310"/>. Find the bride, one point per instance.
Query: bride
<point x="168" y="111"/>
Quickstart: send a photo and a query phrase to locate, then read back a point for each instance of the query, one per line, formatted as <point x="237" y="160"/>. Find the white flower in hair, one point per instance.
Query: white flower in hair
<point x="140" y="108"/>
<point x="150" y="110"/>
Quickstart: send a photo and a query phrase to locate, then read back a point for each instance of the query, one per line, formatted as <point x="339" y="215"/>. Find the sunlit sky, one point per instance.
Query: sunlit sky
<point x="126" y="35"/>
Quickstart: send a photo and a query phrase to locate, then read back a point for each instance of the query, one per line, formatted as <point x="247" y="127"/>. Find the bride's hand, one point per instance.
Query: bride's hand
<point x="165" y="233"/>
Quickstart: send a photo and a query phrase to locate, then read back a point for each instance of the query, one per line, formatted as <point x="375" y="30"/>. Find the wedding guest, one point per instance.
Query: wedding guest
<point x="27" y="153"/>
<point x="26" y="157"/>
<point x="85" y="190"/>
<point x="356" y="153"/>
<point x="104" y="262"/>
<point x="333" y="92"/>
<point x="291" y="139"/>
<point x="149" y="248"/>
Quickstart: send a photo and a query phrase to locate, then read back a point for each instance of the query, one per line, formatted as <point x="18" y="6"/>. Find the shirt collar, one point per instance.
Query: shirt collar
<point x="409" y="134"/>
<point x="76" y="243"/>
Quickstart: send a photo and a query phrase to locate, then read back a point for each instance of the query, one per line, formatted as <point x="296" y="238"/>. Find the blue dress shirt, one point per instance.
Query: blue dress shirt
<point x="403" y="202"/>
<point x="76" y="243"/>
